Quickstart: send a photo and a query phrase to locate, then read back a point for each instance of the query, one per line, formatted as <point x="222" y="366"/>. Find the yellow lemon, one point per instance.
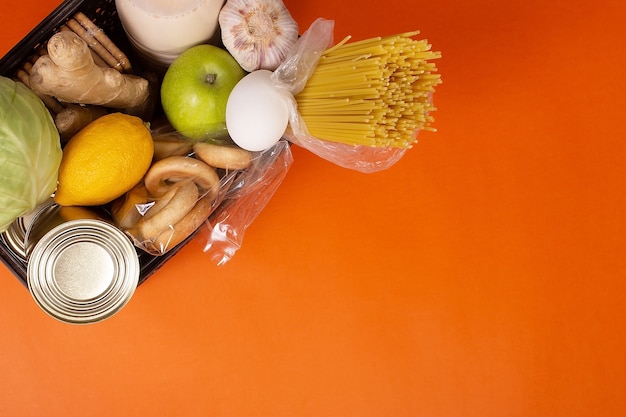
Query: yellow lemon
<point x="104" y="160"/>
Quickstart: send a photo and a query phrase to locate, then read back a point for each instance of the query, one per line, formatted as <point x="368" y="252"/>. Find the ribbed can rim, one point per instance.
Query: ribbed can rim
<point x="16" y="234"/>
<point x="83" y="271"/>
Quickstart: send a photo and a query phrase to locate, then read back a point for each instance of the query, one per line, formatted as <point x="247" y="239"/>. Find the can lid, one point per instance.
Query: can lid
<point x="83" y="271"/>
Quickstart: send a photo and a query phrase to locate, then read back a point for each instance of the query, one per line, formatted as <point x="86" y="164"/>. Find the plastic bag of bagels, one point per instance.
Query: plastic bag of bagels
<point x="210" y="191"/>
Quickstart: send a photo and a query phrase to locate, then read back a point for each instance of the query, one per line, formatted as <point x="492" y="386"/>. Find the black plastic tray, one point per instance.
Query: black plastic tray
<point x="104" y="14"/>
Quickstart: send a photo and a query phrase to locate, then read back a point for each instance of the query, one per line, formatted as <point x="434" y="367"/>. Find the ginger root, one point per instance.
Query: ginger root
<point x="69" y="73"/>
<point x="74" y="117"/>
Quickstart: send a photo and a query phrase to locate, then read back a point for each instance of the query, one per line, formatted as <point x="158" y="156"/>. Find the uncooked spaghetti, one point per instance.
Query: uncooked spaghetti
<point x="374" y="92"/>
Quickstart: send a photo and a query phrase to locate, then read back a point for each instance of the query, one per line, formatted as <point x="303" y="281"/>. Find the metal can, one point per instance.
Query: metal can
<point x="15" y="235"/>
<point x="82" y="271"/>
<point x="53" y="215"/>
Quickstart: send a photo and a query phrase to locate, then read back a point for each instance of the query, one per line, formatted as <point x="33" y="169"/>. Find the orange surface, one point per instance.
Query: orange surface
<point x="483" y="275"/>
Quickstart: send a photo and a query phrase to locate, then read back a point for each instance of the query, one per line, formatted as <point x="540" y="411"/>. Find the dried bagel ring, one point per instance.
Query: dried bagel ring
<point x="181" y="199"/>
<point x="185" y="227"/>
<point x="170" y="145"/>
<point x="127" y="211"/>
<point x="160" y="202"/>
<point x="172" y="169"/>
<point x="222" y="156"/>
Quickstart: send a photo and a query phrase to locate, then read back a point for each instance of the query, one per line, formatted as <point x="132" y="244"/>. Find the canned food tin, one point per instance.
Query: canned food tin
<point x="15" y="235"/>
<point x="53" y="215"/>
<point x="83" y="271"/>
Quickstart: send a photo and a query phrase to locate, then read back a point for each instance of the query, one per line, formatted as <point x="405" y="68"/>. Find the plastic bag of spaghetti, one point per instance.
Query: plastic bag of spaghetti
<point x="378" y="148"/>
<point x="189" y="182"/>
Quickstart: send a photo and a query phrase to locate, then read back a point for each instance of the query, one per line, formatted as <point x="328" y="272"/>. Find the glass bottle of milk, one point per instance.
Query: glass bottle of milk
<point x="161" y="29"/>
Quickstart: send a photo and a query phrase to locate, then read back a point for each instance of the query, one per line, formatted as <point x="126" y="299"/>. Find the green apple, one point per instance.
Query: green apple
<point x="195" y="91"/>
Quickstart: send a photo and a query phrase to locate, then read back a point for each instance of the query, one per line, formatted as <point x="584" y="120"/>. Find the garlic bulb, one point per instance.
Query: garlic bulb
<point x="257" y="33"/>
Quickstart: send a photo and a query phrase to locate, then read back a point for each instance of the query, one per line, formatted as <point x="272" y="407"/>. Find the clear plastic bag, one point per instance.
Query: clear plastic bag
<point x="248" y="195"/>
<point x="212" y="190"/>
<point x="293" y="74"/>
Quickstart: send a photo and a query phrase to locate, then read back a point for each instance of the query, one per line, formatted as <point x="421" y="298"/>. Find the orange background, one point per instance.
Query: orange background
<point x="482" y="275"/>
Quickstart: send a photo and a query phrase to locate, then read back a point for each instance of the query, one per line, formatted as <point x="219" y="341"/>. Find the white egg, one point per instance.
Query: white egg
<point x="257" y="113"/>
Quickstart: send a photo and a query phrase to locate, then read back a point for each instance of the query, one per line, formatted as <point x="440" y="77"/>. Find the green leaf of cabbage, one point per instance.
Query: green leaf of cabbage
<point x="30" y="151"/>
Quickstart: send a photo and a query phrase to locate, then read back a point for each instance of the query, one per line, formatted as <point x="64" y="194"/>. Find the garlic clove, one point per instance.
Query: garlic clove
<point x="257" y="33"/>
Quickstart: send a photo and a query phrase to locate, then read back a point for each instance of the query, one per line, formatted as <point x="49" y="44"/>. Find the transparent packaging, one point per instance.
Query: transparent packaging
<point x="213" y="190"/>
<point x="293" y="74"/>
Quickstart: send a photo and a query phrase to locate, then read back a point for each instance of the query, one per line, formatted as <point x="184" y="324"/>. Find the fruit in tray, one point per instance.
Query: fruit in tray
<point x="104" y="160"/>
<point x="195" y="90"/>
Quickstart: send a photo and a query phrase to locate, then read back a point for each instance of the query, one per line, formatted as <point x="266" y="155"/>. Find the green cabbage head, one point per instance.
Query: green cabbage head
<point x="30" y="151"/>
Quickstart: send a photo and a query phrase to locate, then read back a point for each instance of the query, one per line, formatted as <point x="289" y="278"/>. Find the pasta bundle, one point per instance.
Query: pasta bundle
<point x="375" y="92"/>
